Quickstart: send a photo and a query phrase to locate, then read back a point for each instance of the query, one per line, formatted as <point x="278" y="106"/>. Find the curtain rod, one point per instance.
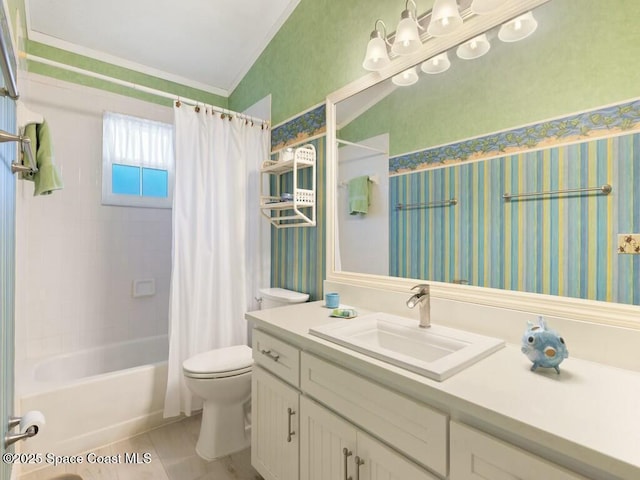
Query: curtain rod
<point x="367" y="147"/>
<point x="141" y="88"/>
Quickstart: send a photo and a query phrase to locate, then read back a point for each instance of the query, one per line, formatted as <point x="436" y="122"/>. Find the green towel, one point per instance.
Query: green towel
<point x="47" y="178"/>
<point x="359" y="195"/>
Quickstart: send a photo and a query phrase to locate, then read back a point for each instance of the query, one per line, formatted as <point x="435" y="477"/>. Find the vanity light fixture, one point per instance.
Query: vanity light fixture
<point x="519" y="28"/>
<point x="442" y="19"/>
<point x="377" y="56"/>
<point x="474" y="48"/>
<point x="445" y="18"/>
<point x="407" y="39"/>
<point x="406" y="78"/>
<point x="438" y="64"/>
<point x="482" y="7"/>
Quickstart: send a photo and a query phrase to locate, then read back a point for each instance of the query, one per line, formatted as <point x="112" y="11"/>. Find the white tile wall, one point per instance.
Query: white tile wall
<point x="77" y="259"/>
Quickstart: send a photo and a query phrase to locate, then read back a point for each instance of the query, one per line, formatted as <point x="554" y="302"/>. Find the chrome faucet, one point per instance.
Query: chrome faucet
<point x="422" y="298"/>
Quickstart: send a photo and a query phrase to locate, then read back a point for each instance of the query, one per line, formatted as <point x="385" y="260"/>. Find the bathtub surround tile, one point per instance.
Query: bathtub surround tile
<point x="42" y="347"/>
<point x="93" y="251"/>
<point x="171" y="450"/>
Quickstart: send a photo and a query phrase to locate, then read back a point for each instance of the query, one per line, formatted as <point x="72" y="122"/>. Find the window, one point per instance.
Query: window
<point x="137" y="161"/>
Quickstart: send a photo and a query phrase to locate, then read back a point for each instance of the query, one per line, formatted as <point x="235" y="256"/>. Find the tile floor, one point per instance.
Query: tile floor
<point x="173" y="457"/>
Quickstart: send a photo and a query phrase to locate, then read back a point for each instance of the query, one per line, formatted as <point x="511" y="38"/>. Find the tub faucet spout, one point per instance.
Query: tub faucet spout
<point x="423" y="299"/>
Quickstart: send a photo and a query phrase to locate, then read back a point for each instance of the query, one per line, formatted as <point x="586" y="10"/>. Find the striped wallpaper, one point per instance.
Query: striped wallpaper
<point x="563" y="245"/>
<point x="297" y="254"/>
<point x="7" y="271"/>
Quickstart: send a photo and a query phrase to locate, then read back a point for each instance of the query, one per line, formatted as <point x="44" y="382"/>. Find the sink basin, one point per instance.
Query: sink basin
<point x="437" y="352"/>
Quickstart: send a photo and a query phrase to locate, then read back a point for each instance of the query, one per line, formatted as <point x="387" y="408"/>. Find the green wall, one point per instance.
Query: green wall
<point x="580" y="62"/>
<point x="319" y="49"/>
<point x="573" y="62"/>
<point x="87" y="63"/>
<point x="584" y="59"/>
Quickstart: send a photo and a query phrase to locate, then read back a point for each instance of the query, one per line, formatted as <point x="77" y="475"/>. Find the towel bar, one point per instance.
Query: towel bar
<point x="604" y="189"/>
<point x="440" y="203"/>
<point x="372" y="179"/>
<point x="25" y="145"/>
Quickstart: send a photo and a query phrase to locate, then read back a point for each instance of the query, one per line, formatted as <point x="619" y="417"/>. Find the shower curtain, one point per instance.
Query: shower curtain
<point x="217" y="255"/>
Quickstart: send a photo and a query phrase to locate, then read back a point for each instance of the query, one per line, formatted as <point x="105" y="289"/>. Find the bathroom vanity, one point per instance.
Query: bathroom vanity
<point x="324" y="411"/>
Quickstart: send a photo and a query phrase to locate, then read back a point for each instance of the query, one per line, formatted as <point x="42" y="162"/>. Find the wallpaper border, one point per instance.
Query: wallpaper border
<point x="601" y="122"/>
<point x="303" y="127"/>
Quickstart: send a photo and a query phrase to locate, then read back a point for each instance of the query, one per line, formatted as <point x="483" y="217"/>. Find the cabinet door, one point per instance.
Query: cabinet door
<point x="274" y="431"/>
<point x="413" y="428"/>
<point x="477" y="456"/>
<point x="323" y="440"/>
<point x="376" y="461"/>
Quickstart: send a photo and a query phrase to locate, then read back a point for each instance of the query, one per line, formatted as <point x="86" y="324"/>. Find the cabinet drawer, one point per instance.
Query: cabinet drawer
<point x="477" y="456"/>
<point x="413" y="428"/>
<point x="278" y="357"/>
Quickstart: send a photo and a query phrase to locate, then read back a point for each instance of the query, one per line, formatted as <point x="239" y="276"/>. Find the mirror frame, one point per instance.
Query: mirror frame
<point x="591" y="311"/>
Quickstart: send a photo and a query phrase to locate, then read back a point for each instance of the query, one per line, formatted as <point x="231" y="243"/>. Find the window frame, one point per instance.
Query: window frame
<point x="127" y="200"/>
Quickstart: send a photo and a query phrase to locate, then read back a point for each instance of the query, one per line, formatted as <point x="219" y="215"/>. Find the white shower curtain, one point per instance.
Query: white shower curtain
<point x="217" y="255"/>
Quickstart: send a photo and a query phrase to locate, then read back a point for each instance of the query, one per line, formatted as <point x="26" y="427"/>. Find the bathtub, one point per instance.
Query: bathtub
<point x="94" y="397"/>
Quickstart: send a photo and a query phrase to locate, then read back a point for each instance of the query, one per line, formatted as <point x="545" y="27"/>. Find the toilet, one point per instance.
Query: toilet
<point x="222" y="378"/>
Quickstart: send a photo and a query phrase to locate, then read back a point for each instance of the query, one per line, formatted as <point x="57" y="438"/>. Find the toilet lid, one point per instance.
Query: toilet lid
<point x="283" y="295"/>
<point x="220" y="360"/>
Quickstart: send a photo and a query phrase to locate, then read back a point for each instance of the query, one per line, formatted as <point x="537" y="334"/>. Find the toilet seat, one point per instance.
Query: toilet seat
<point x="231" y="373"/>
<point x="219" y="363"/>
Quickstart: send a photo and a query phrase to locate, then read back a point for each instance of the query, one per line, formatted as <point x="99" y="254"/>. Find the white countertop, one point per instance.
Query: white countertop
<point x="589" y="412"/>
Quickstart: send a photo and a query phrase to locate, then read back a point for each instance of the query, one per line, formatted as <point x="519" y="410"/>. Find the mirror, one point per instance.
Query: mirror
<point x="502" y="123"/>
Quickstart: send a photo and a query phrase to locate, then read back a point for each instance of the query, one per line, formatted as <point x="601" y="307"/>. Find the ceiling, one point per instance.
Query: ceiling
<point x="205" y="44"/>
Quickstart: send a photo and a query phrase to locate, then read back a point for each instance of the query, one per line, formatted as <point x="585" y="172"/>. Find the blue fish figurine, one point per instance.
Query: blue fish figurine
<point x="544" y="347"/>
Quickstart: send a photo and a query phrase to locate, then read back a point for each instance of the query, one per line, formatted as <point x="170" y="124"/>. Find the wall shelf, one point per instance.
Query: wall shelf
<point x="296" y="207"/>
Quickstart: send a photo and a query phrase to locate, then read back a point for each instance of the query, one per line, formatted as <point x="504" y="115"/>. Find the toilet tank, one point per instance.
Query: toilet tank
<point x="279" y="297"/>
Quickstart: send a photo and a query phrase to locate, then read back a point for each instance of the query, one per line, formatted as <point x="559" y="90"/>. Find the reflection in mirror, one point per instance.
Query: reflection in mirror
<point x="501" y="123"/>
<point x="363" y="226"/>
